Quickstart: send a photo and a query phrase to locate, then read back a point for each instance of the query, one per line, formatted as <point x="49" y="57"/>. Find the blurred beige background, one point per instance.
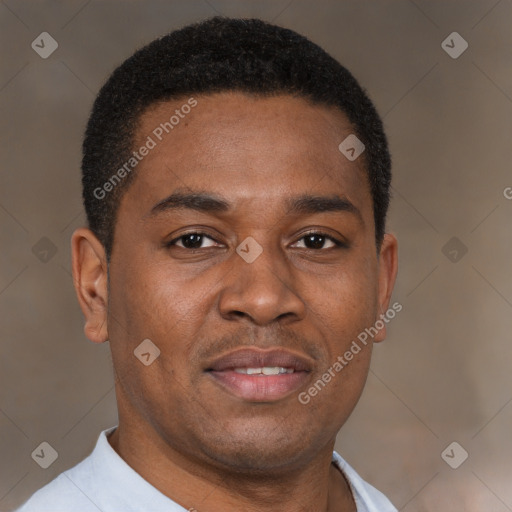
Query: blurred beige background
<point x="444" y="373"/>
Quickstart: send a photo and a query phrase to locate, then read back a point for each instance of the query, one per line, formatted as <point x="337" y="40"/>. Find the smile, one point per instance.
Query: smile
<point x="266" y="370"/>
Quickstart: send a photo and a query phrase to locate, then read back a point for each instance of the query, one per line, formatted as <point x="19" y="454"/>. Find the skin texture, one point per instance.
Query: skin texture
<point x="185" y="434"/>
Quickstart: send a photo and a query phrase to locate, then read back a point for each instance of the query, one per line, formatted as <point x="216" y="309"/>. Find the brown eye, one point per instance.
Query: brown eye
<point x="192" y="240"/>
<point x="317" y="240"/>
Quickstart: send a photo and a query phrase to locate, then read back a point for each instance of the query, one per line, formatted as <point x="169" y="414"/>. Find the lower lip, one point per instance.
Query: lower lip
<point x="260" y="388"/>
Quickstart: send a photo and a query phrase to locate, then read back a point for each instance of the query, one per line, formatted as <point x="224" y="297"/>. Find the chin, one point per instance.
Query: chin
<point x="256" y="450"/>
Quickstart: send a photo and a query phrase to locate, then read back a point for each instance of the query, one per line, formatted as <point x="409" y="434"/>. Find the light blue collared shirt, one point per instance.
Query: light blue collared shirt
<point x="104" y="482"/>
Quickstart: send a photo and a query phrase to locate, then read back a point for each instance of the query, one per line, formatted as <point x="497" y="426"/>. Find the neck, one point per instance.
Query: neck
<point x="316" y="486"/>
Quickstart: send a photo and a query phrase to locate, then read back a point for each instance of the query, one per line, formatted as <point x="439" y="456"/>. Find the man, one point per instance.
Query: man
<point x="236" y="182"/>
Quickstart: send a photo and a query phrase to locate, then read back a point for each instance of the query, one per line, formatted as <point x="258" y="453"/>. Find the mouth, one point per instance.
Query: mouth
<point x="257" y="375"/>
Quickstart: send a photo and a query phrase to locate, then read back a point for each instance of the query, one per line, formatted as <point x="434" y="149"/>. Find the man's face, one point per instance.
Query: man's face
<point x="198" y="299"/>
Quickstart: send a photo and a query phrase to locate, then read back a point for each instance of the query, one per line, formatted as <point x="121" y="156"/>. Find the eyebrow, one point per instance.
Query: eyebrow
<point x="212" y="204"/>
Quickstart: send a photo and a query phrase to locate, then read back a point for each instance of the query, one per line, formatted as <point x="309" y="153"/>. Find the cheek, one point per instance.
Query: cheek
<point x="143" y="295"/>
<point x="346" y="303"/>
<point x="151" y="299"/>
<point x="147" y="305"/>
<point x="172" y="312"/>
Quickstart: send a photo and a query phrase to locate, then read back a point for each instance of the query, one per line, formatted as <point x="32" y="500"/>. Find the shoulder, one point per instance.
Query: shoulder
<point x="76" y="489"/>
<point x="61" y="495"/>
<point x="367" y="498"/>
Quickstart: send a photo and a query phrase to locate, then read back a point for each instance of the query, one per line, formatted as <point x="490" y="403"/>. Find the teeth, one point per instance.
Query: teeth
<point x="266" y="370"/>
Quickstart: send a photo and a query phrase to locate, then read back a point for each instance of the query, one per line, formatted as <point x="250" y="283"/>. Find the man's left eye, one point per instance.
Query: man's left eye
<point x="317" y="240"/>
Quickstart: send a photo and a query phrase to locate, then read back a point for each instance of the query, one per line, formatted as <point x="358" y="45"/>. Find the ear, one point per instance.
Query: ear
<point x="388" y="267"/>
<point x="90" y="280"/>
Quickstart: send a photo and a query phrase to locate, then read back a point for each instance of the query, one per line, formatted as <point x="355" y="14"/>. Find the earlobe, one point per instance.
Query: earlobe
<point x="388" y="268"/>
<point x="90" y="280"/>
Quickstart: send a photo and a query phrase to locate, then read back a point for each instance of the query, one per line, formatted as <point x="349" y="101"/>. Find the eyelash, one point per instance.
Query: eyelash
<point x="338" y="243"/>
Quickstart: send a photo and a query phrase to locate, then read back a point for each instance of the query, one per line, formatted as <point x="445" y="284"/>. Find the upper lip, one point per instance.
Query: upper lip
<point x="257" y="358"/>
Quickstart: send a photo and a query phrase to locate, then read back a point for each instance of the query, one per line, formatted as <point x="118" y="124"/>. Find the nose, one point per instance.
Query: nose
<point x="263" y="291"/>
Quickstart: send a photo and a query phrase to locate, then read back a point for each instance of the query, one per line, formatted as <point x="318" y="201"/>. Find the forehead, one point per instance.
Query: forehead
<point x="247" y="148"/>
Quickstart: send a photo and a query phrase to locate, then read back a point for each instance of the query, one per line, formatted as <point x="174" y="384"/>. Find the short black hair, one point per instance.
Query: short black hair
<point x="216" y="55"/>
